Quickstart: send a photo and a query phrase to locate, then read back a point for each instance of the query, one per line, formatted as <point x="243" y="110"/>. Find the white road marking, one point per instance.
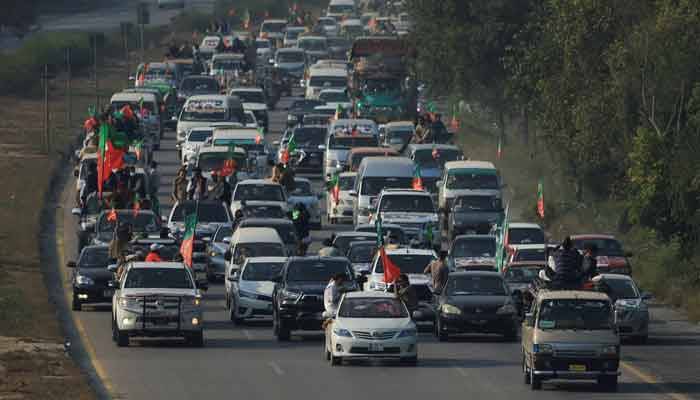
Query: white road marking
<point x="275" y="367"/>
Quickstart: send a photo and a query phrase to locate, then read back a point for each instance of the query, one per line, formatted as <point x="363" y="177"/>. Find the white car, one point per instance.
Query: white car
<point x="260" y="190"/>
<point x="195" y="138"/>
<point x="249" y="292"/>
<point x="413" y="210"/>
<point x="371" y="325"/>
<point x="341" y="211"/>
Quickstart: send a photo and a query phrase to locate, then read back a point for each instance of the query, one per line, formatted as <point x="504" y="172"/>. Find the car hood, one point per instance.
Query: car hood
<point x="476" y="300"/>
<point x="465" y="262"/>
<point x="371" y="324"/>
<point x="380" y="100"/>
<point x="96" y="273"/>
<point x="307" y="287"/>
<point x="261" y="287"/>
<point x="156" y="292"/>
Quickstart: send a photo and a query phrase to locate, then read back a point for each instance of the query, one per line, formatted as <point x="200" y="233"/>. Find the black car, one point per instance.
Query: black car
<point x="299" y="108"/>
<point x="474" y="214"/>
<point x="90" y="277"/>
<point x="283" y="226"/>
<point x="308" y="156"/>
<point x="472" y="252"/>
<point x="297" y="299"/>
<point x="343" y="239"/>
<point x="476" y="302"/>
<point x="361" y="254"/>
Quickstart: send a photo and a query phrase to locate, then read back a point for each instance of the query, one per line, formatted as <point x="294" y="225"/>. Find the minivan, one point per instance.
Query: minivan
<point x="205" y="110"/>
<point x="325" y="78"/>
<point x="467" y="178"/>
<point x="374" y="175"/>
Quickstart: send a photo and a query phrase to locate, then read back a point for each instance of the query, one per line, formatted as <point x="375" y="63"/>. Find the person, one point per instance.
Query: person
<point x="329" y="250"/>
<point x="333" y="293"/>
<point x="568" y="262"/>
<point x="154" y="254"/>
<point x="180" y="185"/>
<point x="419" y="131"/>
<point x="219" y="189"/>
<point x="287" y="179"/>
<point x="300" y="218"/>
<point x="438" y="271"/>
<point x="277" y="172"/>
<point x="154" y="186"/>
<point x="406" y="293"/>
<point x="590" y="261"/>
<point x="197" y="186"/>
<point x="237" y="218"/>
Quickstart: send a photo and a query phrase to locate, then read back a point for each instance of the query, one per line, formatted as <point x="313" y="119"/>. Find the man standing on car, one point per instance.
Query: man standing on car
<point x="438" y="272"/>
<point x="197" y="188"/>
<point x="180" y="185"/>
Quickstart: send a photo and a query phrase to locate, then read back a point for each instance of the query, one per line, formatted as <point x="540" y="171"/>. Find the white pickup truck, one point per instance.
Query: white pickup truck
<point x="157" y="299"/>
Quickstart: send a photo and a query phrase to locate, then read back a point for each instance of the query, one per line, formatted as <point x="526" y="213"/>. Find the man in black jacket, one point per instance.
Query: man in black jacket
<point x="568" y="263"/>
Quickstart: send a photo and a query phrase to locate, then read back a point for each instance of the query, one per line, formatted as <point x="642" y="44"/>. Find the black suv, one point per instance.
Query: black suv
<point x="297" y="299"/>
<point x="90" y="277"/>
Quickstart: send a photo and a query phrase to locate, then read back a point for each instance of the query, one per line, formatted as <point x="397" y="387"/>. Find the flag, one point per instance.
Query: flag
<point x="417" y="181"/>
<point x="109" y="155"/>
<point x="291" y="147"/>
<point x="499" y="150"/>
<point x="102" y="175"/>
<point x="428" y="233"/>
<point x="380" y="232"/>
<point x="338" y="112"/>
<point x="335" y="188"/>
<point x="502" y="242"/>
<point x="391" y="270"/>
<point x="187" y="246"/>
<point x="112" y="216"/>
<point x="137" y="204"/>
<point x="540" y="198"/>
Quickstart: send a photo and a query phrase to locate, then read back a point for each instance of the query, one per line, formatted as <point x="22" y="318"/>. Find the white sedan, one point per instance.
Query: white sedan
<point x="249" y="294"/>
<point x="371" y="325"/>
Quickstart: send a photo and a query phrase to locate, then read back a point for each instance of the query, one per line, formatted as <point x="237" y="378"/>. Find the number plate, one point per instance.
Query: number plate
<point x="108" y="293"/>
<point x="577" y="368"/>
<point x="375" y="347"/>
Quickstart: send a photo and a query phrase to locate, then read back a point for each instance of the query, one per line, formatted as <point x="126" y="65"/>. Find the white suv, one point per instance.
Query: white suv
<point x="412" y="210"/>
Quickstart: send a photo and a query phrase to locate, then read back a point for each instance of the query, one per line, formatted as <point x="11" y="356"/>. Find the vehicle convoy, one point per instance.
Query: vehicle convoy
<point x="570" y="335"/>
<point x="379" y="84"/>
<point x="159" y="299"/>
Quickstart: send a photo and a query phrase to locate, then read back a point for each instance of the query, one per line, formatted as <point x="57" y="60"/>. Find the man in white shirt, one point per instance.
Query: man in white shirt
<point x="332" y="294"/>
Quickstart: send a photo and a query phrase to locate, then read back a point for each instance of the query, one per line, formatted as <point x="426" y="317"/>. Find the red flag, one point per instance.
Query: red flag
<point x="417" y="181"/>
<point x="112" y="216"/>
<point x="228" y="168"/>
<point x="391" y="270"/>
<point x="285" y="156"/>
<point x="187" y="245"/>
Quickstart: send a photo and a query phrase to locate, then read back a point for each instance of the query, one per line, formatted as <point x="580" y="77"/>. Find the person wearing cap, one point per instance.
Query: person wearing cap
<point x="154" y="254"/>
<point x="438" y="272"/>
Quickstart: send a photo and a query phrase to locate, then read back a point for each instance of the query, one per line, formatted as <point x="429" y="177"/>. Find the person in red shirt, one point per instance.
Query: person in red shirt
<point x="154" y="254"/>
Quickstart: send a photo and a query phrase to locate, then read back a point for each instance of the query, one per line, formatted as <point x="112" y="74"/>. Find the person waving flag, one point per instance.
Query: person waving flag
<point x="417" y="181"/>
<point x="187" y="245"/>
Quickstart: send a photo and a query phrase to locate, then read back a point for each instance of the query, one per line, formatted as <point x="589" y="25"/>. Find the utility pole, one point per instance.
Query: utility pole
<point x="47" y="133"/>
<point x="97" y="94"/>
<point x="69" y="94"/>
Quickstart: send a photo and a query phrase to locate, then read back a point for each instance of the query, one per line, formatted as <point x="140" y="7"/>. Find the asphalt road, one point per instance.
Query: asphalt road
<point x="247" y="362"/>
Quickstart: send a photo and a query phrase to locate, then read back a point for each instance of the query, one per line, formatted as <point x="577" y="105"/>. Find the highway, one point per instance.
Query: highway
<point x="247" y="362"/>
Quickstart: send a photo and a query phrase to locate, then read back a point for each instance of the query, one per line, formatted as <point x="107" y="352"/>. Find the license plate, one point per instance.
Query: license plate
<point x="108" y="293"/>
<point x="577" y="368"/>
<point x="375" y="347"/>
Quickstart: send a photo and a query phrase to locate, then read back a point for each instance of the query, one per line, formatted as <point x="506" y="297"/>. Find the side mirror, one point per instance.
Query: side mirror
<point x="203" y="284"/>
<point x="76" y="211"/>
<point x="71" y="264"/>
<point x="112" y="268"/>
<point x="76" y="173"/>
<point x="647" y="296"/>
<point x="529" y="319"/>
<point x="322" y="147"/>
<point x="227" y="255"/>
<point x="352" y="193"/>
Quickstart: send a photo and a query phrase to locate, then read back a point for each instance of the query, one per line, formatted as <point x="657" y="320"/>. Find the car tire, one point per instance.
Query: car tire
<point x="335" y="361"/>
<point x="77" y="305"/>
<point x="196" y="339"/>
<point x="411" y="361"/>
<point x="281" y="332"/>
<point x="608" y="383"/>
<point x="535" y="381"/>
<point x="121" y="336"/>
<point x="526" y="372"/>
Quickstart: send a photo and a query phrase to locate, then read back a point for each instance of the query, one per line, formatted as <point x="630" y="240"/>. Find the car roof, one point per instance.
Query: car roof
<point x="258" y="182"/>
<point x="374" y="150"/>
<point x="384" y="226"/>
<point x="354" y="234"/>
<point x="469" y="164"/>
<point x="357" y="243"/>
<point x="219" y="149"/>
<point x="350" y="122"/>
<point x="284" y="21"/>
<point x="246" y="89"/>
<point x="265" y="203"/>
<point x="255" y="235"/>
<point x="525" y="264"/>
<point x="332" y="91"/>
<point x="231" y="56"/>
<point x="387" y="166"/>
<point x="228" y="133"/>
<point x="612" y="277"/>
<point x="133" y="96"/>
<point x="290" y="50"/>
<point x="571" y="294"/>
<point x="404" y="192"/>
<point x="300" y="179"/>
<point x="429" y="146"/>
<point x="160" y="264"/>
<point x="264" y="222"/>
<point x="523" y="225"/>
<point x="374" y="294"/>
<point x="351" y="22"/>
<point x="335" y="72"/>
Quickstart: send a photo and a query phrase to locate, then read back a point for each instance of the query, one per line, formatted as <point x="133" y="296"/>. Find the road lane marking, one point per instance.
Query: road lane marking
<point x="275" y="367"/>
<point x="652" y="380"/>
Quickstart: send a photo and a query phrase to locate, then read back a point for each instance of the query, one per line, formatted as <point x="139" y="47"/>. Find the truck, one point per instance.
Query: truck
<point x="381" y="86"/>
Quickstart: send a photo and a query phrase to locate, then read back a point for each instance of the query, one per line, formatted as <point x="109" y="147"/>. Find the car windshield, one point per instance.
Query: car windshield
<point x="334" y="97"/>
<point x="201" y="84"/>
<point x="204" y="110"/>
<point x="302" y="188"/>
<point x="223" y="232"/>
<point x="260" y="192"/>
<point x="153" y="74"/>
<point x="309" y="137"/>
<point x="525" y="236"/>
<point x="606" y="247"/>
<point x="474" y="248"/>
<point x="342" y="243"/>
<point x="472" y="181"/>
<point x="371" y="186"/>
<point x="286" y="231"/>
<point x="199" y="135"/>
<point x="348" y="142"/>
<point x="206" y="212"/>
<point x="263" y="211"/>
<point x="477" y="203"/>
<point x="158" y="278"/>
<point x="530" y="255"/>
<point x="316" y="270"/>
<point x="479" y="285"/>
<point x="290" y="56"/>
<point x="521" y="274"/>
<point x="261" y="271"/>
<point x="142" y="222"/>
<point x="346" y="182"/>
<point x="407" y="203"/>
<point x="216" y="161"/>
<point x="249" y="96"/>
<point x="305" y="105"/>
<point x="622" y="288"/>
<point x="227" y="65"/>
<point x="435" y="158"/>
<point x="247" y="250"/>
<point x="328" y="81"/>
<point x="362" y="254"/>
<point x="312" y="44"/>
<point x="369" y="307"/>
<point x="408" y="263"/>
<point x="94" y="257"/>
<point x="575" y="314"/>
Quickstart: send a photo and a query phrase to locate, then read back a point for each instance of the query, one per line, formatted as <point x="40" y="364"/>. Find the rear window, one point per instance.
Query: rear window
<point x="259" y="192"/>
<point x="474" y="248"/>
<point x="94" y="257"/>
<point x="348" y="142"/>
<point x="199" y="135"/>
<point x="371" y="186"/>
<point x="409" y="263"/>
<point x="261" y="271"/>
<point x="530" y="255"/>
<point x="362" y="254"/>
<point x="346" y="182"/>
<point x="525" y="236"/>
<point x="342" y="243"/>
<point x="567" y="314"/>
<point x="316" y="270"/>
<point x="406" y="203"/>
<point x="372" y="308"/>
<point x="477" y="203"/>
<point x="472" y="181"/>
<point x="435" y="158"/>
<point x="606" y="247"/>
<point x="160" y="278"/>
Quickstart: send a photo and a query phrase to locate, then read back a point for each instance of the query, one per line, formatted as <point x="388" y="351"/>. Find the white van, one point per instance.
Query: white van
<point x="325" y="78"/>
<point x="249" y="139"/>
<point x="467" y="178"/>
<point x="253" y="242"/>
<point x="341" y="8"/>
<point x="374" y="175"/>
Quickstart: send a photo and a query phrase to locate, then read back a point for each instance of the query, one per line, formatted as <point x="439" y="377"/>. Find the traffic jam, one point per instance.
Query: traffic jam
<point x="362" y="218"/>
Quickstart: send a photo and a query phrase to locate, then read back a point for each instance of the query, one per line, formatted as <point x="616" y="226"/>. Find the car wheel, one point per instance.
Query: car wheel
<point x="122" y="337"/>
<point x="412" y="361"/>
<point x="535" y="381"/>
<point x="77" y="305"/>
<point x="196" y="339"/>
<point x="336" y="360"/>
<point x="526" y="373"/>
<point x="608" y="383"/>
<point x="441" y="334"/>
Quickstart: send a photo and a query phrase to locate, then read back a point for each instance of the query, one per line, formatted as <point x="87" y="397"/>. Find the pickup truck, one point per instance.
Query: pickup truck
<point x="157" y="299"/>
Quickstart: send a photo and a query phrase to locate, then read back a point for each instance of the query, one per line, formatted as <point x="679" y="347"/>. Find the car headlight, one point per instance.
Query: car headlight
<point x="408" y="333"/>
<point x="129" y="302"/>
<point x="542" y="349"/>
<point x="84" y="280"/>
<point x="197" y="301"/>
<point x="291" y="117"/>
<point x="342" y="332"/>
<point x="450" y="309"/>
<point x="506" y="309"/>
<point x="213" y="254"/>
<point x="338" y="165"/>
<point x="609" y="350"/>
<point x="248" y="295"/>
<point x="289" y="296"/>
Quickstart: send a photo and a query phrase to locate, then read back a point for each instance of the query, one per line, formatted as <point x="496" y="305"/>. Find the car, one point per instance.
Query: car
<point x="273" y="29"/>
<point x="397" y="134"/>
<point x="158" y="299"/>
<point x="211" y="159"/>
<point x="472" y="252"/>
<point x="431" y="158"/>
<point x="210" y="215"/>
<point x="343" y="239"/>
<point x="249" y="291"/>
<point x="476" y="213"/>
<point x="371" y="325"/>
<point x="250" y="120"/>
<point x="525" y="233"/>
<point x="339" y="142"/>
<point x="194" y="85"/>
<point x="284" y="227"/>
<point x="351" y="28"/>
<point x="476" y="302"/>
<point x="338" y="47"/>
<point x="146" y="105"/>
<point x="528" y="252"/>
<point x="297" y="299"/>
<point x="376" y="174"/>
<point x="249" y="242"/>
<point x="253" y="99"/>
<point x="90" y="277"/>
<point x="467" y="177"/>
<point x="519" y="276"/>
<point x="205" y="110"/>
<point x="388" y="230"/>
<point x="316" y="119"/>
<point x="303" y="194"/>
<point x="291" y="35"/>
<point x="340" y="210"/>
<point x="216" y="247"/>
<point x="329" y="25"/>
<point x="299" y="108"/>
<point x="630" y="303"/>
<point x="411" y="209"/>
<point x="570" y="334"/>
<point x="611" y="256"/>
<point x="324" y="78"/>
<point x="308" y="156"/>
<point x="258" y="190"/>
<point x="357" y="154"/>
<point x="291" y="62"/>
<point x="316" y="48"/>
<point x="195" y="138"/>
<point x="228" y="68"/>
<point x="361" y="253"/>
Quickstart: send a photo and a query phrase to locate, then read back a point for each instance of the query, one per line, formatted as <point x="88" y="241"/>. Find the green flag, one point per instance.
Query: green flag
<point x="187" y="245"/>
<point x="292" y="144"/>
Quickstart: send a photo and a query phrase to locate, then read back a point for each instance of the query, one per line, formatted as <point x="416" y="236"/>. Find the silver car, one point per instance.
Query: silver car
<point x="631" y="309"/>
